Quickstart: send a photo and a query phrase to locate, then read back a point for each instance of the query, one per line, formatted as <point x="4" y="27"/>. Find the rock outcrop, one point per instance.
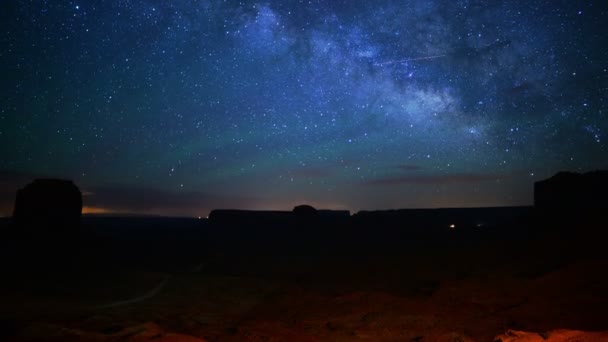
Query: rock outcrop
<point x="48" y="203"/>
<point x="305" y="210"/>
<point x="301" y="214"/>
<point x="552" y="336"/>
<point x="249" y="217"/>
<point x="569" y="190"/>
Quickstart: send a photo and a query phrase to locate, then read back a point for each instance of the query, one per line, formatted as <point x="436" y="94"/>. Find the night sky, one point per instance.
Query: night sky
<point x="179" y="107"/>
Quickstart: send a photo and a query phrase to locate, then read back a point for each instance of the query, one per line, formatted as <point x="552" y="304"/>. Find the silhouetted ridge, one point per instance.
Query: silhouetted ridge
<point x="45" y="203"/>
<point x="297" y="215"/>
<point x="231" y="216"/>
<point x="444" y="219"/>
<point x="305" y="210"/>
<point x="569" y="190"/>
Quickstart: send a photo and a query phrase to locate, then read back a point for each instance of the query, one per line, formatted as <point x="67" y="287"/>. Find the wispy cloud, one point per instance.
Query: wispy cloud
<point x="409" y="167"/>
<point x="452" y="178"/>
<point x="311" y="172"/>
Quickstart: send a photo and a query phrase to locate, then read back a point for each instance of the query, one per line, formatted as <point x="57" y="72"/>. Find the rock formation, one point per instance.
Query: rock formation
<point x="305" y="210"/>
<point x="568" y="190"/>
<point x="48" y="203"/>
<point x="249" y="217"/>
<point x="561" y="335"/>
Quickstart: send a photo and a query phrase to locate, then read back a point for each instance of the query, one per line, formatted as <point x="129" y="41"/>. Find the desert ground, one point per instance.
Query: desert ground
<point x="160" y="279"/>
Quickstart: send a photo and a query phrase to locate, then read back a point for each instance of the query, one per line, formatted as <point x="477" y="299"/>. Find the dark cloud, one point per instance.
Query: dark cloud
<point x="13" y="177"/>
<point x="409" y="167"/>
<point x="311" y="172"/>
<point x="135" y="199"/>
<point x="436" y="179"/>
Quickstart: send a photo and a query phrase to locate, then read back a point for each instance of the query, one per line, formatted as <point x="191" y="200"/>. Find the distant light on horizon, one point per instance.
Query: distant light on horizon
<point x="97" y="210"/>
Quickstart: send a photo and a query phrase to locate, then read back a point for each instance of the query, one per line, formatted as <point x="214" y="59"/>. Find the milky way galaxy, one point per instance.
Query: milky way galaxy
<point x="178" y="107"/>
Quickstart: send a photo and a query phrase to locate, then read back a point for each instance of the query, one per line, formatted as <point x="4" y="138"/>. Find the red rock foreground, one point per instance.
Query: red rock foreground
<point x="152" y="332"/>
<point x="553" y="336"/>
<point x="396" y="306"/>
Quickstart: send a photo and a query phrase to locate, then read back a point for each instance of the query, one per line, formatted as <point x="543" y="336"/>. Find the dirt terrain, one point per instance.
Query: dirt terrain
<point x="182" y="280"/>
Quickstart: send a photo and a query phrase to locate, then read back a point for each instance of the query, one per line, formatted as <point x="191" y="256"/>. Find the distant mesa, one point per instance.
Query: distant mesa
<point x="325" y="215"/>
<point x="238" y="217"/>
<point x="436" y="221"/>
<point x="305" y="210"/>
<point x="569" y="190"/>
<point x="48" y="203"/>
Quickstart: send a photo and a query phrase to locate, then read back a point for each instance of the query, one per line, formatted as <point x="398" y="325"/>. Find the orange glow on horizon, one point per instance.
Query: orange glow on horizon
<point x="96" y="210"/>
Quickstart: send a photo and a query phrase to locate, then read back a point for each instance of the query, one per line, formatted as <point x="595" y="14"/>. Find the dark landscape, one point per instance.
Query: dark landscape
<point x="523" y="273"/>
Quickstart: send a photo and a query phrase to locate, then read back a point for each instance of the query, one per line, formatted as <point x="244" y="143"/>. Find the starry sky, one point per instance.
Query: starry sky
<point x="179" y="107"/>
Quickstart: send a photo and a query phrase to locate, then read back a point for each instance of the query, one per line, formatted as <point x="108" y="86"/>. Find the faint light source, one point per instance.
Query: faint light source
<point x="452" y="226"/>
